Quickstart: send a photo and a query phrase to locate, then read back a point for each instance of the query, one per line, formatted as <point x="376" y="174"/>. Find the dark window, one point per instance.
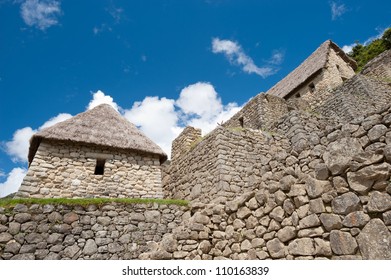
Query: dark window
<point x="241" y="121"/>
<point x="312" y="87"/>
<point x="100" y="167"/>
<point x="297" y="95"/>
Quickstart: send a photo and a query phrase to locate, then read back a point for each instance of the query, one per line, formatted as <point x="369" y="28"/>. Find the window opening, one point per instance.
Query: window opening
<point x="241" y="121"/>
<point x="100" y="167"/>
<point x="312" y="87"/>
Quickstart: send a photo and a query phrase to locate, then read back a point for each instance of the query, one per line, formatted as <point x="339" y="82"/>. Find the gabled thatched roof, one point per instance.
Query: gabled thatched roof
<point x="100" y="126"/>
<point x="306" y="70"/>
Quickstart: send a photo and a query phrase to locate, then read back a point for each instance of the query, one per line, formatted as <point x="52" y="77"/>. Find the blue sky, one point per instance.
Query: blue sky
<point x="162" y="64"/>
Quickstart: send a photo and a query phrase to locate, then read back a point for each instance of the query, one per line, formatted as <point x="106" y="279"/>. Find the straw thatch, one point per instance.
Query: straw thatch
<point x="308" y="69"/>
<point x="100" y="126"/>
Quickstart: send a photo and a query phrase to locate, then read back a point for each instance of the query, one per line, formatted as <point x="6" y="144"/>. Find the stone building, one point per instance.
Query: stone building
<point x="326" y="68"/>
<point x="310" y="84"/>
<point x="97" y="153"/>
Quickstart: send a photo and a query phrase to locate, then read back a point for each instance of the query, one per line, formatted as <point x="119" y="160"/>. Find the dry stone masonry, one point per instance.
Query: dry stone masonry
<point x="112" y="231"/>
<point x="68" y="170"/>
<point x="302" y="172"/>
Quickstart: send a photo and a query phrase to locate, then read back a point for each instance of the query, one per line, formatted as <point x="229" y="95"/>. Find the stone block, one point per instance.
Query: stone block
<point x="363" y="180"/>
<point x="287" y="233"/>
<point x="343" y="243"/>
<point x="346" y="203"/>
<point x="317" y="206"/>
<point x="302" y="247"/>
<point x="375" y="241"/>
<point x="356" y="219"/>
<point x="379" y="202"/>
<point x="309" y="221"/>
<point x="276" y="248"/>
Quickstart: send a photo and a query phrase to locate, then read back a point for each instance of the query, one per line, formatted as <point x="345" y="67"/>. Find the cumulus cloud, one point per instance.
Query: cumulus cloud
<point x="12" y="184"/>
<point x="18" y="147"/>
<point x="100" y="97"/>
<point x="40" y="13"/>
<point x="59" y="118"/>
<point x="162" y="119"/>
<point x="348" y="48"/>
<point x="157" y="118"/>
<point x="236" y="56"/>
<point x="337" y="10"/>
<point x="200" y="99"/>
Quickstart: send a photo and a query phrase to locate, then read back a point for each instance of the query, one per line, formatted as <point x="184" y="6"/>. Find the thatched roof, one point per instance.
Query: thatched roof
<point x="308" y="69"/>
<point x="100" y="126"/>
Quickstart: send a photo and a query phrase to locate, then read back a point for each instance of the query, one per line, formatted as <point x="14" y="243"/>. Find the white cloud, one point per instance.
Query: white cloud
<point x="157" y="118"/>
<point x="201" y="107"/>
<point x="208" y="124"/>
<point x="162" y="119"/>
<point x="277" y="57"/>
<point x="18" y="147"/>
<point x="103" y="27"/>
<point x="40" y="13"/>
<point x="337" y="10"/>
<point x="348" y="48"/>
<point x="59" y="118"/>
<point x="100" y="98"/>
<point x="12" y="184"/>
<point x="200" y="99"/>
<point x="2" y="174"/>
<point x="236" y="56"/>
<point x="116" y="13"/>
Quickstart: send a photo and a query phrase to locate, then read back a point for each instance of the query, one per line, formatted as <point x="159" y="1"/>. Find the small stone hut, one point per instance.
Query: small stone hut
<point x="326" y="68"/>
<point x="97" y="153"/>
<point x="307" y="86"/>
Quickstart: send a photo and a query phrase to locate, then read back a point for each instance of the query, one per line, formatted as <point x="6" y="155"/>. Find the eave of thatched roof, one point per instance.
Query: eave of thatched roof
<point x="100" y="126"/>
<point x="306" y="70"/>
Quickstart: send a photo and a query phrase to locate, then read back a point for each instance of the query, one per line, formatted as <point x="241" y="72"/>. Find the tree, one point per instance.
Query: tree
<point x="362" y="54"/>
<point x="387" y="38"/>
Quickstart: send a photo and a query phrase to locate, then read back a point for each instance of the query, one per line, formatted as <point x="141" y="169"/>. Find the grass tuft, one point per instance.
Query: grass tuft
<point x="9" y="202"/>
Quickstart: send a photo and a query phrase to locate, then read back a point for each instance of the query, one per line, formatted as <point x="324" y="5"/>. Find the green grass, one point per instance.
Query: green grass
<point x="236" y="128"/>
<point x="196" y="142"/>
<point x="9" y="202"/>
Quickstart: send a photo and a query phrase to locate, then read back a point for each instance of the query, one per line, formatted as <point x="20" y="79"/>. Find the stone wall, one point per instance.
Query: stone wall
<point x="183" y="143"/>
<point x="113" y="231"/>
<point x="67" y="170"/>
<point x="248" y="116"/>
<point x="259" y="113"/>
<point x="356" y="97"/>
<point x="330" y="199"/>
<point x="227" y="162"/>
<point x="379" y="67"/>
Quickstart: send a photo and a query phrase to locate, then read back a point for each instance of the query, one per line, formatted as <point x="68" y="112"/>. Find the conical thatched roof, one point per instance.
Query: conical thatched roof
<point x="310" y="67"/>
<point x="100" y="126"/>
